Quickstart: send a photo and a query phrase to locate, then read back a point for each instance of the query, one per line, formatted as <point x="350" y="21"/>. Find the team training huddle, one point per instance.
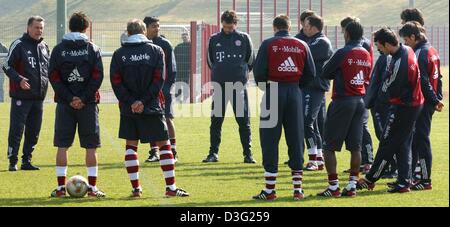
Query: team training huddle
<point x="402" y="89"/>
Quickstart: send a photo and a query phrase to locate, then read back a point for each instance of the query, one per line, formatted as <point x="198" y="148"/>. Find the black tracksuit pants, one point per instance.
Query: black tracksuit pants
<point x="239" y="101"/>
<point x="288" y="115"/>
<point x="396" y="140"/>
<point x="421" y="146"/>
<point x="25" y="115"/>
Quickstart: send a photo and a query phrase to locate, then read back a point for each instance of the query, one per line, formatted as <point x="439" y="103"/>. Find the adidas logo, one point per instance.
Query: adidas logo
<point x="218" y="45"/>
<point x="288" y="66"/>
<point x="75" y="76"/>
<point x="358" y="79"/>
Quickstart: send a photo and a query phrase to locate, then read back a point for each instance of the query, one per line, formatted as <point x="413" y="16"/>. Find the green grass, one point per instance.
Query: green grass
<point x="227" y="183"/>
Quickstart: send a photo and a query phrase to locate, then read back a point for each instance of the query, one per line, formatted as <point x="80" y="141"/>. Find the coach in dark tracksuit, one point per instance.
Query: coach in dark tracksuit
<point x="314" y="93"/>
<point x="405" y="96"/>
<point x="27" y="68"/>
<point x="430" y="77"/>
<point x="283" y="66"/>
<point x="230" y="57"/>
<point x="350" y="67"/>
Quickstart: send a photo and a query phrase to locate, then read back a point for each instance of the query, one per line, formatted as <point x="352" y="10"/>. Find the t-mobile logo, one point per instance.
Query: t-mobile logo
<point x="32" y="62"/>
<point x="220" y="56"/>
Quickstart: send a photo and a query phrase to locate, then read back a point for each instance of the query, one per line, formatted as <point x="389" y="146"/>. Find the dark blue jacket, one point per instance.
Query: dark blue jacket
<point x="430" y="72"/>
<point x="76" y="69"/>
<point x="137" y="74"/>
<point x="28" y="58"/>
<point x="230" y="57"/>
<point x="301" y="35"/>
<point x="284" y="59"/>
<point x="374" y="92"/>
<point x="321" y="51"/>
<point x="350" y="68"/>
<point x="403" y="85"/>
<point x="171" y="65"/>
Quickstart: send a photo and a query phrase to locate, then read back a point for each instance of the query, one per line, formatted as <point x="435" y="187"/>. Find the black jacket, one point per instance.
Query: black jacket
<point x="137" y="74"/>
<point x="321" y="51"/>
<point x="28" y="58"/>
<point x="230" y="57"/>
<point x="76" y="69"/>
<point x="374" y="94"/>
<point x="171" y="64"/>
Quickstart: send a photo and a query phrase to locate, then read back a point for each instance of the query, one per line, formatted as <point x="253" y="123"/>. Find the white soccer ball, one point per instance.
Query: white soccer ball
<point x="77" y="186"/>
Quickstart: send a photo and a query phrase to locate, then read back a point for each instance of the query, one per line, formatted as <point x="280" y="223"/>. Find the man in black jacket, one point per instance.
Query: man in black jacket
<point x="230" y="57"/>
<point x="27" y="69"/>
<point x="76" y="74"/>
<point x="314" y="93"/>
<point x="403" y="88"/>
<point x="153" y="34"/>
<point x="137" y="78"/>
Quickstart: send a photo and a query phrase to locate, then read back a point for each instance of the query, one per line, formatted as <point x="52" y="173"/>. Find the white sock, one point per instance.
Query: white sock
<point x="92" y="171"/>
<point x="334" y="187"/>
<point x="61" y="171"/>
<point x="172" y="187"/>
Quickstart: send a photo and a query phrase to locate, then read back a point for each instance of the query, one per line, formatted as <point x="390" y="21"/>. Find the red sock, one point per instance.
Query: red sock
<point x="167" y="164"/>
<point x="132" y="164"/>
<point x="61" y="181"/>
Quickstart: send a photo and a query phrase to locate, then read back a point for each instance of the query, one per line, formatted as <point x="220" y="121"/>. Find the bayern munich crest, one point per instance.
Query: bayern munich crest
<point x="238" y="43"/>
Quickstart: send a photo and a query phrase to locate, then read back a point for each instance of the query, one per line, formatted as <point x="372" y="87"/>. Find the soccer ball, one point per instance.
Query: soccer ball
<point x="77" y="186"/>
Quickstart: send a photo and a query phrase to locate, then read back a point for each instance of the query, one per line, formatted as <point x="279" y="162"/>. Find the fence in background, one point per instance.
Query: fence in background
<point x="107" y="36"/>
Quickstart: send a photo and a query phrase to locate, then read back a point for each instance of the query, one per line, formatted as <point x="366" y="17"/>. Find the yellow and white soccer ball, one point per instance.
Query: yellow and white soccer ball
<point x="77" y="186"/>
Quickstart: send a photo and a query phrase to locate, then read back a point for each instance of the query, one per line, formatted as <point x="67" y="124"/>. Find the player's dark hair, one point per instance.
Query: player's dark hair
<point x="282" y="22"/>
<point x="150" y="20"/>
<point x="316" y="21"/>
<point x="355" y="30"/>
<point x="229" y="17"/>
<point x="305" y="14"/>
<point x="78" y="22"/>
<point x="347" y="20"/>
<point x="413" y="28"/>
<point x="412" y="14"/>
<point x="386" y="35"/>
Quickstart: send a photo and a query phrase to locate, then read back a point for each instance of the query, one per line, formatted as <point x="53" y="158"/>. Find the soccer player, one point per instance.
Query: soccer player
<point x="284" y="66"/>
<point x="350" y="68"/>
<point x="431" y="82"/>
<point x="412" y="14"/>
<point x="314" y="93"/>
<point x="137" y="77"/>
<point x="230" y="57"/>
<point x="152" y="34"/>
<point x="27" y="69"/>
<point x="367" y="145"/>
<point x="403" y="87"/>
<point x="375" y="99"/>
<point x="76" y="74"/>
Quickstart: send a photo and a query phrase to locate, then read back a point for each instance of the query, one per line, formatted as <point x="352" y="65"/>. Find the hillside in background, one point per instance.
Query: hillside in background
<point x="371" y="12"/>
